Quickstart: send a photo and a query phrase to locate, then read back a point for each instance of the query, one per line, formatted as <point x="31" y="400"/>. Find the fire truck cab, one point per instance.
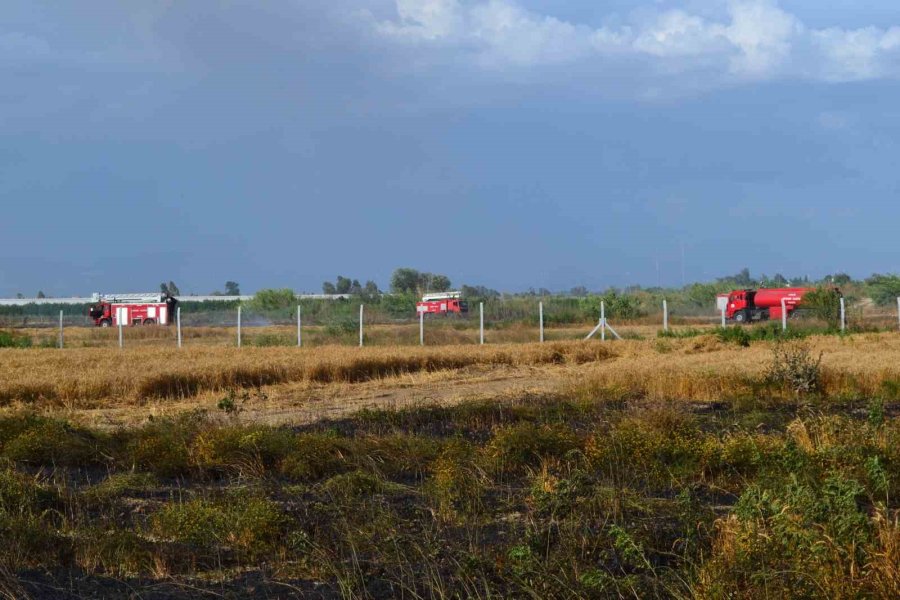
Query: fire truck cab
<point x="442" y="303"/>
<point x="111" y="310"/>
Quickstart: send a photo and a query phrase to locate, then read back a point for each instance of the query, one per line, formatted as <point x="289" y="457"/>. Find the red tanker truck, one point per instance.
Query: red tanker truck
<point x="759" y="305"/>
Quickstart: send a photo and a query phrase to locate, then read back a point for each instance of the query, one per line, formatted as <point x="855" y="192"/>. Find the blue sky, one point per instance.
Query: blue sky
<point x="510" y="143"/>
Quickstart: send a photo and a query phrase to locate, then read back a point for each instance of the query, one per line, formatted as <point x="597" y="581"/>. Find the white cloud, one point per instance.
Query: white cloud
<point x="763" y="33"/>
<point x="426" y="20"/>
<point x="754" y="40"/>
<point x="868" y="53"/>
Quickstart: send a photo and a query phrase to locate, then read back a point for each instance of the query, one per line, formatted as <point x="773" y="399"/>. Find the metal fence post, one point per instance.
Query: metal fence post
<point x="421" y="328"/>
<point x="178" y="324"/>
<point x="602" y="321"/>
<point x="723" y="317"/>
<point x="898" y="308"/>
<point x="60" y="329"/>
<point x="481" y="320"/>
<point x="360" y="325"/>
<point x="783" y="315"/>
<point x="843" y="315"/>
<point x="541" y="318"/>
<point x="665" y="315"/>
<point x="121" y="340"/>
<point x="239" y="328"/>
<point x="299" y="327"/>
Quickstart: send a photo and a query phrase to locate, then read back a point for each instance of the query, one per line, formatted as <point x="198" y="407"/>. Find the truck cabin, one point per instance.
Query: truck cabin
<point x="739" y="301"/>
<point x="98" y="311"/>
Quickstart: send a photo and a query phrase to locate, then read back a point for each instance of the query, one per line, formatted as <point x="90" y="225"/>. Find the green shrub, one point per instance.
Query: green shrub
<point x="51" y="442"/>
<point x="9" y="339"/>
<point x="249" y="450"/>
<point x="272" y="300"/>
<point x="163" y="446"/>
<point x="268" y="340"/>
<point x="793" y="368"/>
<point x="121" y="484"/>
<point x="250" y="525"/>
<point x="316" y="456"/>
<point x="825" y="304"/>
<point x="526" y="444"/>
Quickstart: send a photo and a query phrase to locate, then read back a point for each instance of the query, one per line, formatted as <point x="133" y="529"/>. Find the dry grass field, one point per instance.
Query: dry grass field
<point x="704" y="466"/>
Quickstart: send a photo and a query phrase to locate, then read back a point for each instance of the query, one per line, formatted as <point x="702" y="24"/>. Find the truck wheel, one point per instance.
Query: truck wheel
<point x="740" y="317"/>
<point x="149" y="322"/>
<point x="105" y="323"/>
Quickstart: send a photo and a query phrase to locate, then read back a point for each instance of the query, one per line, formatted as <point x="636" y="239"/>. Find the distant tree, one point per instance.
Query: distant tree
<point x="824" y="303"/>
<point x="40" y="294"/>
<point x="20" y="295"/>
<point x="328" y="288"/>
<point x="578" y="291"/>
<point x="164" y="288"/>
<point x="343" y="285"/>
<point x="544" y="292"/>
<point x="232" y="288"/>
<point x="371" y="288"/>
<point x="267" y="300"/>
<point x="355" y="288"/>
<point x="478" y="291"/>
<point x="883" y="289"/>
<point x="741" y="279"/>
<point x="779" y="280"/>
<point x="405" y="280"/>
<point x="439" y="283"/>
<point x="704" y="294"/>
<point x="410" y="281"/>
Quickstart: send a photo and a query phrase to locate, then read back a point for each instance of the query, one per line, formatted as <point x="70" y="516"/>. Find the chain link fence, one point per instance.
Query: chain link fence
<point x="506" y="320"/>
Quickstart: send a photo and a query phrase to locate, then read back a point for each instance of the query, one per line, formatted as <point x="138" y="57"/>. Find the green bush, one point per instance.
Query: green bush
<point x="272" y="300"/>
<point x="794" y="369"/>
<point x="9" y="339"/>
<point x="883" y="289"/>
<point x="518" y="447"/>
<point x="825" y="304"/>
<point x="250" y="525"/>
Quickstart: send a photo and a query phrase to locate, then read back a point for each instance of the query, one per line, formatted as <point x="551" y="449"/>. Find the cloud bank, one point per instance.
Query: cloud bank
<point x="751" y="40"/>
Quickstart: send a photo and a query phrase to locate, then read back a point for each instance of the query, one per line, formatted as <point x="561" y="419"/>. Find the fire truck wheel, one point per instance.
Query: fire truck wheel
<point x="740" y="317"/>
<point x="149" y="322"/>
<point x="105" y="323"/>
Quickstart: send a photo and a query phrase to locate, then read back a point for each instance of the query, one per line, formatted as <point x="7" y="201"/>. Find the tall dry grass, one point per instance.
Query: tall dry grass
<point x="85" y="377"/>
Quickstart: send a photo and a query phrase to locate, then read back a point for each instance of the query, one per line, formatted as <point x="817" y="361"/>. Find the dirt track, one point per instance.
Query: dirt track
<point x="304" y="403"/>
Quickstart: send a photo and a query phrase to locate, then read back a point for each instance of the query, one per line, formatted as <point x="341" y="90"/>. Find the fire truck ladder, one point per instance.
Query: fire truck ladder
<point x="131" y="298"/>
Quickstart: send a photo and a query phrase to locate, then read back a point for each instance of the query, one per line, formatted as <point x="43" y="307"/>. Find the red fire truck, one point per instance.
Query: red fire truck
<point x="442" y="303"/>
<point x="132" y="309"/>
<point x="758" y="305"/>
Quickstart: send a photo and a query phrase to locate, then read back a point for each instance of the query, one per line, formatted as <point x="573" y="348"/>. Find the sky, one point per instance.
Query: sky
<point x="506" y="143"/>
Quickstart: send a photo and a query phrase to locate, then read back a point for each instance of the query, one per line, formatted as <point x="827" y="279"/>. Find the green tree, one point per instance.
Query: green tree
<point x="405" y="280"/>
<point x="271" y="299"/>
<point x="883" y="289"/>
<point x="328" y="288"/>
<point x="41" y="294"/>
<point x="343" y="285"/>
<point x="824" y="303"/>
<point x="232" y="288"/>
<point x="438" y="283"/>
<point x="479" y="291"/>
<point x="579" y="291"/>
